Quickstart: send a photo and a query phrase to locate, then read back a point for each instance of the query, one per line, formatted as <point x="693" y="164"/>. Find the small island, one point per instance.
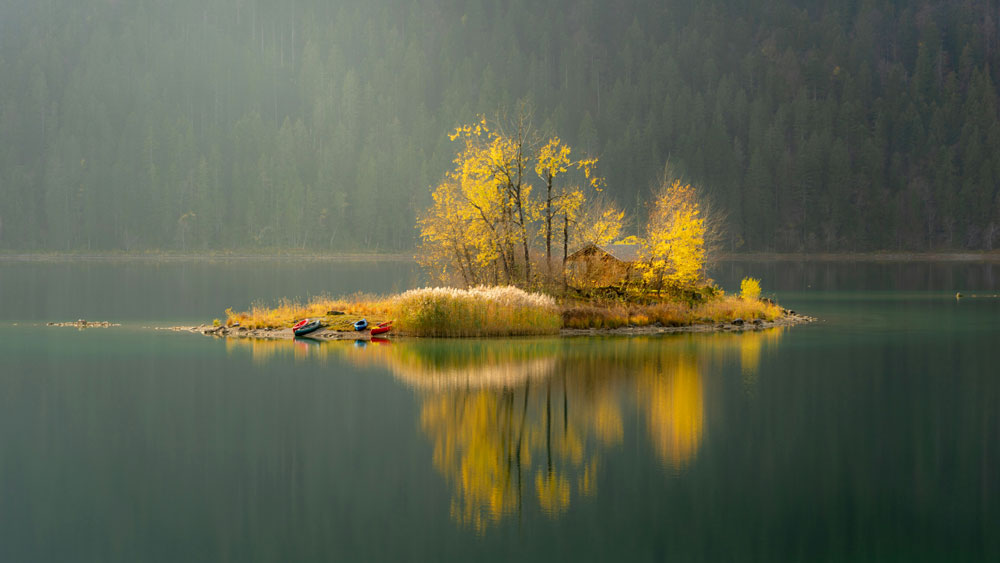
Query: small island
<point x="501" y="311"/>
<point x="523" y="242"/>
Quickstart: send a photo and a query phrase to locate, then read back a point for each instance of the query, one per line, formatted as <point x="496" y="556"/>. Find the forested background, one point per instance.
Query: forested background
<point x="843" y="125"/>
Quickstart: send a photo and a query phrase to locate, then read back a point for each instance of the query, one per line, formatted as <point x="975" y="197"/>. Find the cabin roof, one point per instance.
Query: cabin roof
<point x="620" y="252"/>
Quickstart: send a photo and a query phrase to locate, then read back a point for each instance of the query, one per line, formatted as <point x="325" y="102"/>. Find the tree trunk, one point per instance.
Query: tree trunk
<point x="524" y="238"/>
<point x="565" y="249"/>
<point x="548" y="226"/>
<point x="524" y="235"/>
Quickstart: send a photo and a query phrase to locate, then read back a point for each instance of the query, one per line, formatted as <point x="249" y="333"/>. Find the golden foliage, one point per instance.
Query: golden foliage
<point x="486" y="218"/>
<point x="600" y="222"/>
<point x="553" y="158"/>
<point x="750" y="289"/>
<point x="674" y="249"/>
<point x="480" y="209"/>
<point x="446" y="245"/>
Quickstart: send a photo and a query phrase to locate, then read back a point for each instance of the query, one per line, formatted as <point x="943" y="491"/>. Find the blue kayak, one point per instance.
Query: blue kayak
<point x="361" y="325"/>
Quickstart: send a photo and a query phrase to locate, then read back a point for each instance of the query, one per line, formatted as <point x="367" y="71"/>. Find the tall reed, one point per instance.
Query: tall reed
<point x="480" y="311"/>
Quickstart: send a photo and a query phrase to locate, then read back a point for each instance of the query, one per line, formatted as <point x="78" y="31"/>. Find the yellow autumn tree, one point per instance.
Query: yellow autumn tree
<point x="673" y="252"/>
<point x="486" y="206"/>
<point x="491" y="171"/>
<point x="552" y="161"/>
<point x="484" y="222"/>
<point x="446" y="249"/>
<point x="585" y="218"/>
<point x="600" y="222"/>
<point x="474" y="225"/>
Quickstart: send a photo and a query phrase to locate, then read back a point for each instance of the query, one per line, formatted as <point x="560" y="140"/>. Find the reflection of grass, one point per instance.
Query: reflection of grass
<point x="441" y="364"/>
<point x="264" y="350"/>
<point x="471" y="363"/>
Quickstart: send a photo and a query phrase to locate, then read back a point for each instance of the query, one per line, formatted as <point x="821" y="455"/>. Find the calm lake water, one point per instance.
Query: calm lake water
<point x="873" y="434"/>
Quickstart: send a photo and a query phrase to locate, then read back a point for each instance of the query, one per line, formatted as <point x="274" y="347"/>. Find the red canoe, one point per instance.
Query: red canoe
<point x="382" y="328"/>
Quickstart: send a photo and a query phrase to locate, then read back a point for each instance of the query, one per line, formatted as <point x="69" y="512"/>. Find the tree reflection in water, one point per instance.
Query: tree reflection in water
<point x="523" y="424"/>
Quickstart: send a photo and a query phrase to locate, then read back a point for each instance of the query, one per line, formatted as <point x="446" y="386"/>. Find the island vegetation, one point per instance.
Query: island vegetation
<point x="522" y="242"/>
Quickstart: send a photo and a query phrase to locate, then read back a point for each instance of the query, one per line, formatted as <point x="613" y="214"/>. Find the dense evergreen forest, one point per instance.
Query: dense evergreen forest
<point x="842" y="125"/>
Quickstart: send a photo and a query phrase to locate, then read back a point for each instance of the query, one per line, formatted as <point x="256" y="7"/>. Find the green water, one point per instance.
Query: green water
<point x="873" y="434"/>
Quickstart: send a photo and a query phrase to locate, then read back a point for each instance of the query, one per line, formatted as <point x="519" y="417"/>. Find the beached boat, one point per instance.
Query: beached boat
<point x="306" y="326"/>
<point x="361" y="325"/>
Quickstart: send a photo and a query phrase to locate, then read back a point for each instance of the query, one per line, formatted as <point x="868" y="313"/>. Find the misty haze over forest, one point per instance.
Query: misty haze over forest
<point x="247" y="124"/>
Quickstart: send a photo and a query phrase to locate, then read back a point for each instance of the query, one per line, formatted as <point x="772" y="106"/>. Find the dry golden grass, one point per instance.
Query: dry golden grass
<point x="668" y="313"/>
<point x="730" y="307"/>
<point x="480" y="311"/>
<point x="590" y="316"/>
<point x="288" y="312"/>
<point x="616" y="314"/>
<point x="496" y="311"/>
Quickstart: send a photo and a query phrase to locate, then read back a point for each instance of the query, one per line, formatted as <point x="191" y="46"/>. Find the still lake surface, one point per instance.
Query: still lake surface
<point x="873" y="434"/>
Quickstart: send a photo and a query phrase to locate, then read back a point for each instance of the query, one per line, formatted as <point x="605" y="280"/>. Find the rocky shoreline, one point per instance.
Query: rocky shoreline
<point x="80" y="323"/>
<point x="790" y="318"/>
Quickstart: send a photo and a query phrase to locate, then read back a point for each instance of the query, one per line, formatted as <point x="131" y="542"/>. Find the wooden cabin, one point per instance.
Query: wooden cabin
<point x="601" y="266"/>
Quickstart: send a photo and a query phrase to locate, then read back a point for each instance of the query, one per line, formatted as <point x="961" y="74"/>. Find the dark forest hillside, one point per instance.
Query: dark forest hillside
<point x="844" y="125"/>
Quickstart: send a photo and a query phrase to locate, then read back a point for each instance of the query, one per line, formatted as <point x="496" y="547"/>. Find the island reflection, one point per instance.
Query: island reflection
<point x="525" y="424"/>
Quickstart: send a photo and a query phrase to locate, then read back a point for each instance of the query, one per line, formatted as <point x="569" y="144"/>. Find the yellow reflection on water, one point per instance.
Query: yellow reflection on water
<point x="263" y="351"/>
<point x="524" y="424"/>
<point x="553" y="492"/>
<point x="674" y="404"/>
<point x="447" y="364"/>
<point x="750" y="347"/>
